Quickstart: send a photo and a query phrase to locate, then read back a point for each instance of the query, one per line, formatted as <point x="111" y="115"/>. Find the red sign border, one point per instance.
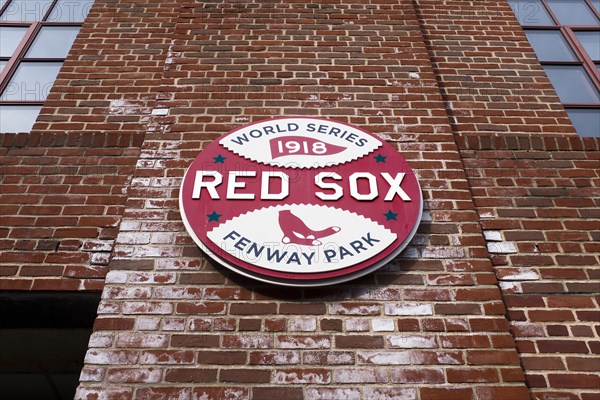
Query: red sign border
<point x="301" y="279"/>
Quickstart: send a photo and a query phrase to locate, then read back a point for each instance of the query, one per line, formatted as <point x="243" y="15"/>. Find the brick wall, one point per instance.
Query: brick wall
<point x="64" y="185"/>
<point x="538" y="200"/>
<point x="537" y="196"/>
<point x="429" y="325"/>
<point x="506" y="249"/>
<point x="489" y="75"/>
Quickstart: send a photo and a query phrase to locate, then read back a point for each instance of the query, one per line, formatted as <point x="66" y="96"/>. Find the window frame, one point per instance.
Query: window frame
<point x="569" y="34"/>
<point x="590" y="66"/>
<point x="19" y="55"/>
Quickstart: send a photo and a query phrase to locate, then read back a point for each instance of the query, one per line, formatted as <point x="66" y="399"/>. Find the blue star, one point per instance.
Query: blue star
<point x="219" y="159"/>
<point x="214" y="216"/>
<point x="380" y="158"/>
<point x="391" y="216"/>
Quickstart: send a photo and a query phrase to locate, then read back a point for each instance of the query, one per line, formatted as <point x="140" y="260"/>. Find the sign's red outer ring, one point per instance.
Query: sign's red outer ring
<point x="194" y="212"/>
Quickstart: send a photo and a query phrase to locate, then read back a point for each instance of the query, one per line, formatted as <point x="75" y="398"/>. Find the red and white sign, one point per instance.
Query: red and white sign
<point x="301" y="201"/>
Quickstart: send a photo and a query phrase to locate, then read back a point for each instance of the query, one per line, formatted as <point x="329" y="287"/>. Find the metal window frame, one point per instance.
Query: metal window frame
<point x="583" y="59"/>
<point x="34" y="27"/>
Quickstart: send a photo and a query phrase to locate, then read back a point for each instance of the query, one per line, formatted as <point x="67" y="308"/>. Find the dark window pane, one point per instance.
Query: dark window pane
<point x="70" y="10"/>
<point x="26" y="10"/>
<point x="591" y="42"/>
<point x="571" y="12"/>
<point x="550" y="45"/>
<point x="572" y="84"/>
<point x="53" y="42"/>
<point x="34" y="386"/>
<point x="18" y="118"/>
<point x="585" y="121"/>
<point x="531" y="12"/>
<point x="31" y="81"/>
<point x="10" y="37"/>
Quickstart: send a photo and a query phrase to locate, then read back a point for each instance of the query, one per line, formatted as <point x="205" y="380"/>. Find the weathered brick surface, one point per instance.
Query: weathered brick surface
<point x="64" y="185"/>
<point x="537" y="196"/>
<point x="488" y="73"/>
<point x="367" y="64"/>
<point x="549" y="275"/>
<point x="495" y="298"/>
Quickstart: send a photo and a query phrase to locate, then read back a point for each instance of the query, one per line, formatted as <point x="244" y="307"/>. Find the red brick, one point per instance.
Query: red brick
<point x="512" y="374"/>
<point x="245" y="375"/>
<point x="465" y="342"/>
<point x="56" y="284"/>
<point x="503" y="392"/>
<point x="421" y="375"/>
<point x="107" y="323"/>
<point x="446" y="393"/>
<point x="529" y="176"/>
<point x="269" y="393"/>
<point x="162" y="393"/>
<point x="550" y="315"/>
<point x="195" y="341"/>
<point x="190" y="375"/>
<point x="557" y="330"/>
<point x="562" y="346"/>
<point x="583" y="364"/>
<point x="572" y="381"/>
<point x="492" y="357"/>
<point x="252" y="308"/>
<point x="478" y="375"/>
<point x="201" y="308"/>
<point x="299" y="309"/>
<point x="361" y="342"/>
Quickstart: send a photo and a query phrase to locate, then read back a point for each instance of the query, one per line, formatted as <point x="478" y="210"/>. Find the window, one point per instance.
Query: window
<point x="43" y="342"/>
<point x="35" y="38"/>
<point x="565" y="35"/>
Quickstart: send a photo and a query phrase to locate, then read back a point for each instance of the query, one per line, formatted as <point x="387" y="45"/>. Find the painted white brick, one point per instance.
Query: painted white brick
<point x="160" y="111"/>
<point x="116" y="277"/>
<point x="357" y="325"/>
<point x="97" y="245"/>
<point x="511" y="287"/>
<point x="412" y="342"/>
<point x="502" y="248"/>
<point x="443" y="252"/>
<point x="100" y="339"/>
<point x="387" y="393"/>
<point x="408" y="309"/>
<point x="133" y="238"/>
<point x="90" y="374"/>
<point x="100" y="259"/>
<point x="333" y="393"/>
<point x="383" y="325"/>
<point x="148" y="324"/>
<point x="303" y="324"/>
<point x="492" y="236"/>
<point x="522" y="275"/>
<point x="383" y="357"/>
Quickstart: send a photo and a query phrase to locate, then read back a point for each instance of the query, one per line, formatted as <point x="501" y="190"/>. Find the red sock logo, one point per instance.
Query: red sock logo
<point x="295" y="230"/>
